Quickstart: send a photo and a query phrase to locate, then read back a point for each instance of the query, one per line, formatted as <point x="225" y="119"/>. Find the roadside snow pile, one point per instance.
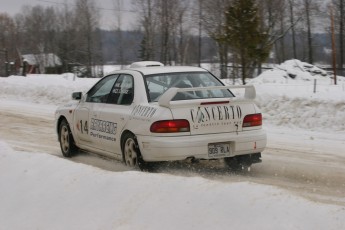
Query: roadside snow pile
<point x="44" y="89"/>
<point x="41" y="191"/>
<point x="286" y="97"/>
<point x="293" y="69"/>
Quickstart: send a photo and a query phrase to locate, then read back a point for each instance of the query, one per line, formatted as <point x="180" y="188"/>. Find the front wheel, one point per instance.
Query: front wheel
<point x="66" y="140"/>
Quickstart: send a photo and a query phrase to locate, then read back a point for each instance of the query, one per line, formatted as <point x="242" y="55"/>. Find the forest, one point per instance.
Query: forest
<point x="238" y="33"/>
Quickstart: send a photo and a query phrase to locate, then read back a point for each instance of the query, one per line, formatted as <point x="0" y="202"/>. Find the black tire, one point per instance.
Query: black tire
<point x="237" y="164"/>
<point x="132" y="156"/>
<point x="68" y="148"/>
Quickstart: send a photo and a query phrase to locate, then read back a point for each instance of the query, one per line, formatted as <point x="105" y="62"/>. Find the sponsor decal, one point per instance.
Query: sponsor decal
<point x="101" y="129"/>
<point x="101" y="136"/>
<point x="143" y="111"/>
<point x="121" y="91"/>
<point x="216" y="115"/>
<point x="98" y="129"/>
<point x="103" y="126"/>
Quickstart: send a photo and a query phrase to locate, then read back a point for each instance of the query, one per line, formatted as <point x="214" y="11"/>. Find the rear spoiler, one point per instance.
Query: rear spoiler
<point x="166" y="98"/>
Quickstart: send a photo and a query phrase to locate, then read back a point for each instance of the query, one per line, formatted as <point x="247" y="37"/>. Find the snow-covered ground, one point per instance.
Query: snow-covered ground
<point x="40" y="191"/>
<point x="43" y="191"/>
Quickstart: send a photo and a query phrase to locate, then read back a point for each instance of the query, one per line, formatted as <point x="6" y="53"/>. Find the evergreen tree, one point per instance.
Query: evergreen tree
<point x="243" y="34"/>
<point x="145" y="53"/>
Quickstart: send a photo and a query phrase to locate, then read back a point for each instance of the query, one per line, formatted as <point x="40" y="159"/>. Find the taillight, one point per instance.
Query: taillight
<point x="252" y="120"/>
<point x="170" y="126"/>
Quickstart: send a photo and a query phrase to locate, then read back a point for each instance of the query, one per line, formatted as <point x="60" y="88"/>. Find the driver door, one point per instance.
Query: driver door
<point x="86" y="115"/>
<point x="115" y="114"/>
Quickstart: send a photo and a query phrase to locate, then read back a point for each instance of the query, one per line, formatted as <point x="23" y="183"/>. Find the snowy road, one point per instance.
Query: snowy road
<point x="307" y="163"/>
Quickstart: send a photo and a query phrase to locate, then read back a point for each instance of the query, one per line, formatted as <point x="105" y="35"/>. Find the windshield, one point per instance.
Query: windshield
<point x="159" y="83"/>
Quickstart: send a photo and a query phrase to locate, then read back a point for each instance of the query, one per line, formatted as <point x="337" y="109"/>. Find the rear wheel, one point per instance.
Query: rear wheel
<point x="131" y="154"/>
<point x="66" y="140"/>
<point x="237" y="163"/>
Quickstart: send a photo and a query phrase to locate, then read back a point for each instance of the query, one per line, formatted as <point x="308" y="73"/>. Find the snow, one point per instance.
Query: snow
<point x="44" y="89"/>
<point x="43" y="191"/>
<point x="292" y="102"/>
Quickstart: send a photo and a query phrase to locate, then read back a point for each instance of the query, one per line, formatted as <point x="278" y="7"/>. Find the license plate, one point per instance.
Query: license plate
<point x="217" y="150"/>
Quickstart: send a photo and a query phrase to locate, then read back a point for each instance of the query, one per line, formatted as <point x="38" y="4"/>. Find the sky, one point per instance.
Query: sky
<point x="108" y="19"/>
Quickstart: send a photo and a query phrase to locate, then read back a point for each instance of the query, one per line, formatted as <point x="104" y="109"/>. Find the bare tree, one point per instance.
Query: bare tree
<point x="307" y="6"/>
<point x="181" y="36"/>
<point x="7" y="42"/>
<point x="37" y="28"/>
<point x="162" y="22"/>
<point x="292" y="5"/>
<point x="200" y="15"/>
<point x="38" y="25"/>
<point x="273" y="26"/>
<point x="118" y="6"/>
<point x="341" y="32"/>
<point x="66" y="37"/>
<point x="338" y="8"/>
<point x="86" y="23"/>
<point x="168" y="14"/>
<point x="310" y="8"/>
<point x="164" y="13"/>
<point x="148" y="22"/>
<point x="214" y="21"/>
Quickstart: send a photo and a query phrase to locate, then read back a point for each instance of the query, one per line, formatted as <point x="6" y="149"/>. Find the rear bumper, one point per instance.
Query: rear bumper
<point x="182" y="147"/>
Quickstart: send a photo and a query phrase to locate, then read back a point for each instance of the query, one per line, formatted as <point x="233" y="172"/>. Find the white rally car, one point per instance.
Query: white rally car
<point x="151" y="113"/>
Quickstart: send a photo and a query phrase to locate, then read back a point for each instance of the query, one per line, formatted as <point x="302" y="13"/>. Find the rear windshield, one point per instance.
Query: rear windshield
<point x="157" y="84"/>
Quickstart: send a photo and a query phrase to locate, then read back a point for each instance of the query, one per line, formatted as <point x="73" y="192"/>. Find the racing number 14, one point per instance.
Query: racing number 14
<point x="85" y="129"/>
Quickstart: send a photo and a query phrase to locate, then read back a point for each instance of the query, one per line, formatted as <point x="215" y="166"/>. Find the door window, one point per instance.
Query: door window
<point x="122" y="93"/>
<point x="100" y="92"/>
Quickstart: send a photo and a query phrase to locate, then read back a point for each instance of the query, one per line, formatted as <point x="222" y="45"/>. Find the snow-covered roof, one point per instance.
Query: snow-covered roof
<point x="164" y="69"/>
<point x="145" y="64"/>
<point x="47" y="60"/>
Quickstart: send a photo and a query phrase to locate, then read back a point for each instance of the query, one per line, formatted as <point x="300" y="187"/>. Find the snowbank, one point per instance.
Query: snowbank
<point x="286" y="97"/>
<point x="40" y="191"/>
<point x="294" y="72"/>
<point x="44" y="89"/>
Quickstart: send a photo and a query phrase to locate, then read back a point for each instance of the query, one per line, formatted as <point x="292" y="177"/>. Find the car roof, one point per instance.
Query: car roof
<point x="161" y="69"/>
<point x="168" y="69"/>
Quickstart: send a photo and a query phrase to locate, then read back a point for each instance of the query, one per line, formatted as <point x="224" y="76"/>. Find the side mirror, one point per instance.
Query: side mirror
<point x="76" y="95"/>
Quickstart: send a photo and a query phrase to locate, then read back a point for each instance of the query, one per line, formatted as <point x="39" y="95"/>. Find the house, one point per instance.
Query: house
<point x="39" y="64"/>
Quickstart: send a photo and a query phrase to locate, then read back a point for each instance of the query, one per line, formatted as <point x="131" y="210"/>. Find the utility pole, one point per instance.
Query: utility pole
<point x="334" y="57"/>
